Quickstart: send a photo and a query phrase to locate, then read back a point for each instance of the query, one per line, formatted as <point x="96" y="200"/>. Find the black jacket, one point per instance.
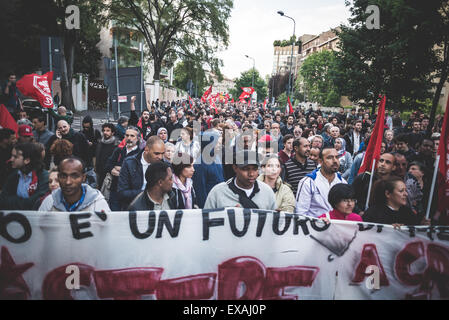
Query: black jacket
<point x="384" y="215"/>
<point x="80" y="145"/>
<point x="142" y="202"/>
<point x="131" y="179"/>
<point x="179" y="198"/>
<point x="116" y="159"/>
<point x="9" y="200"/>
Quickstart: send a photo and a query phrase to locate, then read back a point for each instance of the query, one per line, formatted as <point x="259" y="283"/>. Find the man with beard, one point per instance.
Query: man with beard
<point x="105" y="148"/>
<point x="383" y="171"/>
<point x="354" y="138"/>
<point x="313" y="189"/>
<point x="288" y="129"/>
<point x="299" y="165"/>
<point x="115" y="161"/>
<point x="80" y="144"/>
<point x="173" y="124"/>
<point x="147" y="123"/>
<point x="92" y="136"/>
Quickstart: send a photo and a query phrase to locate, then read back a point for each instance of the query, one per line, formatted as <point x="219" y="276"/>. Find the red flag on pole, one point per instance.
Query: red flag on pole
<point x="232" y="101"/>
<point x="6" y="119"/>
<point x="191" y="102"/>
<point x="206" y="94"/>
<point x="375" y="141"/>
<point x="265" y="103"/>
<point x="290" y="107"/>
<point x="443" y="169"/>
<point x="37" y="87"/>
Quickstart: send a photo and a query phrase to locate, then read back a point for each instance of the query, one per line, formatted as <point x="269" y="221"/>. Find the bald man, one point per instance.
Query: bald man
<point x="79" y="141"/>
<point x="61" y="115"/>
<point x="131" y="181"/>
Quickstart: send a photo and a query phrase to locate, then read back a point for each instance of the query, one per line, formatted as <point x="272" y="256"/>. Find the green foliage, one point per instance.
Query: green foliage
<point x="332" y="99"/>
<point x="282" y="100"/>
<point x="286" y="43"/>
<point x="245" y="80"/>
<point x="320" y="72"/>
<point x="192" y="30"/>
<point x="189" y="70"/>
<point x="397" y="60"/>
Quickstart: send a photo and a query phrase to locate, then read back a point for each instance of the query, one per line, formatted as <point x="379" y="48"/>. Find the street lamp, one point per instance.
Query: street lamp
<point x="282" y="14"/>
<point x="254" y="69"/>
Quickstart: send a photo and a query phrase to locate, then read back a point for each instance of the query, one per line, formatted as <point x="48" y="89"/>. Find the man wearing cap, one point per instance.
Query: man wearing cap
<point x="243" y="190"/>
<point x="25" y="134"/>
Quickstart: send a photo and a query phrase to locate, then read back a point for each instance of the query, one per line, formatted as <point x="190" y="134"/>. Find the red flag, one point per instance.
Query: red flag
<point x="232" y="101"/>
<point x="212" y="104"/>
<point x="190" y="102"/>
<point x="375" y="142"/>
<point x="265" y="103"/>
<point x="37" y="87"/>
<point x="206" y="94"/>
<point x="443" y="169"/>
<point x="6" y="119"/>
<point x="290" y="107"/>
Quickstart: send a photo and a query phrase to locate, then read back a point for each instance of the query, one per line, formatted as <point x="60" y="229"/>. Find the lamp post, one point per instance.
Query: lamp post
<point x="254" y="69"/>
<point x="282" y="14"/>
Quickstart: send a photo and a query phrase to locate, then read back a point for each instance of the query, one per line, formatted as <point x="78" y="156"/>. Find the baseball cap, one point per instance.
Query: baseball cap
<point x="25" y="131"/>
<point x="246" y="158"/>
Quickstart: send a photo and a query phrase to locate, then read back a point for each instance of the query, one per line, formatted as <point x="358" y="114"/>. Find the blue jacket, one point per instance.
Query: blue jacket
<point x="131" y="179"/>
<point x="207" y="175"/>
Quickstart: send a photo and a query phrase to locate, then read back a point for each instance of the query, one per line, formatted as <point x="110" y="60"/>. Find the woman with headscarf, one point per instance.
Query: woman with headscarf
<point x="163" y="134"/>
<point x="344" y="157"/>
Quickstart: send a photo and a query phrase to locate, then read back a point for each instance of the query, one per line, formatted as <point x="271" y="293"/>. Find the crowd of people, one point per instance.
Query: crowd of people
<point x="178" y="156"/>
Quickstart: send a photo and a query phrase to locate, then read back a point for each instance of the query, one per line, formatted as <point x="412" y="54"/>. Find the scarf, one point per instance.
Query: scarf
<point x="33" y="185"/>
<point x="342" y="151"/>
<point x="185" y="189"/>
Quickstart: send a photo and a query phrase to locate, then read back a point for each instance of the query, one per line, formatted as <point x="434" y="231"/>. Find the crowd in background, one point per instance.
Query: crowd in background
<point x="178" y="156"/>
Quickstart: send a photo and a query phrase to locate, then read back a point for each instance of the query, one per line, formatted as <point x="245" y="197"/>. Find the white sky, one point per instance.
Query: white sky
<point x="255" y="24"/>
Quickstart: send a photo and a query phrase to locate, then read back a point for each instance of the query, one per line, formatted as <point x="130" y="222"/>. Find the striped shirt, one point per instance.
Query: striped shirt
<point x="295" y="171"/>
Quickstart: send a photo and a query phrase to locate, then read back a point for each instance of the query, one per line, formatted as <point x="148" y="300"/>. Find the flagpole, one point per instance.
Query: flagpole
<point x="370" y="184"/>
<point x="429" y="204"/>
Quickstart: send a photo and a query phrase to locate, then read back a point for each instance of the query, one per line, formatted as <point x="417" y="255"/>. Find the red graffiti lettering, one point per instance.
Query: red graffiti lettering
<point x="278" y="278"/>
<point x="127" y="284"/>
<point x="54" y="285"/>
<point x="412" y="252"/>
<point x="233" y="272"/>
<point x="237" y="275"/>
<point x="195" y="287"/>
<point x="370" y="257"/>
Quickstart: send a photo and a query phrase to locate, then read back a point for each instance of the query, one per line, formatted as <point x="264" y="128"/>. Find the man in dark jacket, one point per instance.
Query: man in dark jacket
<point x="92" y="136"/>
<point x="28" y="182"/>
<point x="131" y="180"/>
<point x="105" y="148"/>
<point x="354" y="138"/>
<point x="115" y="162"/>
<point x="43" y="135"/>
<point x="7" y="140"/>
<point x="80" y="145"/>
<point x="158" y="194"/>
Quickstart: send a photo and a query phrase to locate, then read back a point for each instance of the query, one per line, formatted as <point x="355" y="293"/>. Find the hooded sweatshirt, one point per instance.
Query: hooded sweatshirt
<point x="93" y="201"/>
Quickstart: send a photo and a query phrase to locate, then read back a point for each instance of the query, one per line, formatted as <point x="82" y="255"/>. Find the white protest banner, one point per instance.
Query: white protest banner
<point x="216" y="254"/>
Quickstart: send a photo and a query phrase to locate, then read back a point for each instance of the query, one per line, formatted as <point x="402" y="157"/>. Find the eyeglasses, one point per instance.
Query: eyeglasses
<point x="349" y="200"/>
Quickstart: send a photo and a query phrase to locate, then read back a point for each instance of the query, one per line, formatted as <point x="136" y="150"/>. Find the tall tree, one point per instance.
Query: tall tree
<point x="190" y="72"/>
<point x="278" y="84"/>
<point x="188" y="29"/>
<point x="397" y="59"/>
<point x="442" y="56"/>
<point x="319" y="73"/>
<point x="245" y="80"/>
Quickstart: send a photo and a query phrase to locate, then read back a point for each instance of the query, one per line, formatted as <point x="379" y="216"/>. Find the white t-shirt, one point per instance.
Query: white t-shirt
<point x="247" y="191"/>
<point x="145" y="166"/>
